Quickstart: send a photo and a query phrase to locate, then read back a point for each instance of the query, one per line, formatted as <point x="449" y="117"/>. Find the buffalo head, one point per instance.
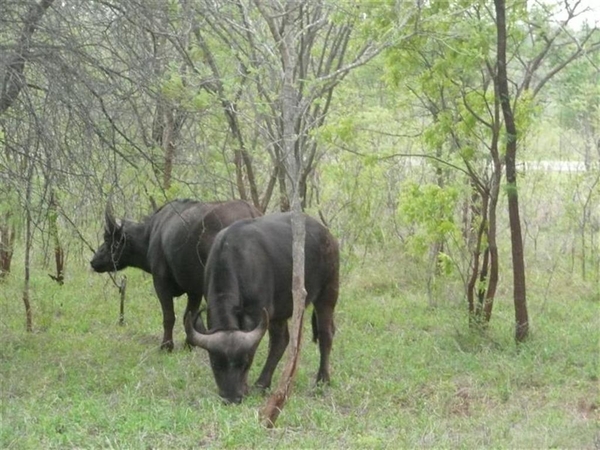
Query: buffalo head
<point x="112" y="254"/>
<point x="231" y="353"/>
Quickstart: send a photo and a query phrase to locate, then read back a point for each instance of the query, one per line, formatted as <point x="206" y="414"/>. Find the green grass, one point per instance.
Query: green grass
<point x="404" y="375"/>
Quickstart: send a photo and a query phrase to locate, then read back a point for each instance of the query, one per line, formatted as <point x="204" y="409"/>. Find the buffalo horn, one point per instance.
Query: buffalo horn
<point x="197" y="338"/>
<point x="222" y="339"/>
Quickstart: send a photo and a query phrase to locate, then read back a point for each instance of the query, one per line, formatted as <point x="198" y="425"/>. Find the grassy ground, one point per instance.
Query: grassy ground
<point x="404" y="375"/>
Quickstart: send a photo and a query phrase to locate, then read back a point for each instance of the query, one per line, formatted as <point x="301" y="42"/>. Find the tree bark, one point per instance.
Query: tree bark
<point x="482" y="213"/>
<point x="28" y="245"/>
<point x="7" y="245"/>
<point x="519" y="287"/>
<point x="59" y="254"/>
<point x="496" y="179"/>
<point x="286" y="35"/>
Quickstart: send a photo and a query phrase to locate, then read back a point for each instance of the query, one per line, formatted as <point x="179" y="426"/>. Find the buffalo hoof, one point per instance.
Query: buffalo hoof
<point x="323" y="378"/>
<point x="167" y="345"/>
<point x="259" y="388"/>
<point x="233" y="400"/>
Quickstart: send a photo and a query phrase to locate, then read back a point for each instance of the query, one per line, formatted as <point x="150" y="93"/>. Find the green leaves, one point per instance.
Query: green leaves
<point x="172" y="87"/>
<point x="429" y="209"/>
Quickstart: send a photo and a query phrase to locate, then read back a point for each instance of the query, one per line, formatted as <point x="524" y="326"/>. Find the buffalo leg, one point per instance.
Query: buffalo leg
<point x="279" y="337"/>
<point x="166" y="303"/>
<point x="193" y="305"/>
<point x="325" y="331"/>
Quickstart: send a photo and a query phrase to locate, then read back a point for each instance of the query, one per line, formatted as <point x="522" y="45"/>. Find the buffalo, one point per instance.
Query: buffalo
<point x="172" y="245"/>
<point x="248" y="289"/>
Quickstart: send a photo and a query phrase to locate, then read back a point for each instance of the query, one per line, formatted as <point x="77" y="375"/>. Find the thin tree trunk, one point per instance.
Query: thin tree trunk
<point x="12" y="83"/>
<point x="277" y="400"/>
<point x="122" y="295"/>
<point x="488" y="304"/>
<point x="519" y="287"/>
<point x="269" y="191"/>
<point x="7" y="245"/>
<point x="483" y="280"/>
<point x="59" y="254"/>
<point x="284" y="199"/>
<point x="28" y="244"/>
<point x="475" y="310"/>
<point x="493" y="252"/>
<point x="239" y="174"/>
<point x="293" y="159"/>
<point x="168" y="143"/>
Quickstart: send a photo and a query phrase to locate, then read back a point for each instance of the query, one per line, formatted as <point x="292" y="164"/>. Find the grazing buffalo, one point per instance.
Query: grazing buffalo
<point x="172" y="244"/>
<point x="248" y="289"/>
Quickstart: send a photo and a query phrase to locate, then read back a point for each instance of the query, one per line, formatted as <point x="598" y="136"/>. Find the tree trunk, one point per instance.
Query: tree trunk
<point x="239" y="174"/>
<point x="293" y="166"/>
<point x="59" y="254"/>
<point x="168" y="143"/>
<point x="284" y="198"/>
<point x="28" y="244"/>
<point x="7" y="245"/>
<point x="495" y="181"/>
<point x="122" y="295"/>
<point x="519" y="290"/>
<point x="12" y="84"/>
<point x="477" y="248"/>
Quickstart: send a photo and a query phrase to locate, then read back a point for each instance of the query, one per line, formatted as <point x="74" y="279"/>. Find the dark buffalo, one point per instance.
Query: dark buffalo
<point x="248" y="288"/>
<point x="172" y="244"/>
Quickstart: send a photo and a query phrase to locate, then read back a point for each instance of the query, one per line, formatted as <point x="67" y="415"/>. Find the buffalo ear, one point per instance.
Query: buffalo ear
<point x="112" y="224"/>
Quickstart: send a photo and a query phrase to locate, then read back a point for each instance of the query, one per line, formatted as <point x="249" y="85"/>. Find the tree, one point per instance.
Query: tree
<point x="12" y="84"/>
<point x="503" y="94"/>
<point x="305" y="82"/>
<point x="538" y="70"/>
<point x="456" y="77"/>
<point x="236" y="59"/>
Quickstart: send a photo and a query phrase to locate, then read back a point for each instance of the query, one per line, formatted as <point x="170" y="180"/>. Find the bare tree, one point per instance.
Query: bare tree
<point x="237" y="44"/>
<point x="13" y="81"/>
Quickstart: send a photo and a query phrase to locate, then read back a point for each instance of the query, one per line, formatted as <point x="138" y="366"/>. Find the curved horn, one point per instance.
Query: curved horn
<point x="196" y="332"/>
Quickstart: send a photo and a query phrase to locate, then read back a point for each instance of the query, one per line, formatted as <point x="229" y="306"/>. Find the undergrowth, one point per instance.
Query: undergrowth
<point x="404" y="374"/>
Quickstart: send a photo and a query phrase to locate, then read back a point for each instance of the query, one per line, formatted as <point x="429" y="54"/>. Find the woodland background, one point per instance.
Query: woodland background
<point x="396" y="123"/>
